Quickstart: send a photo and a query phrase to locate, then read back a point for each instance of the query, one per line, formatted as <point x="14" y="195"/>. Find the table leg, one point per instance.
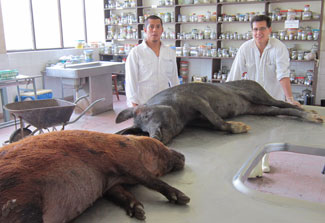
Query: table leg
<point x="4" y="101"/>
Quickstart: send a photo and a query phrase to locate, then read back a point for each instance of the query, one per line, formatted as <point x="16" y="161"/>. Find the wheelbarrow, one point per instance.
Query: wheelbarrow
<point x="43" y="115"/>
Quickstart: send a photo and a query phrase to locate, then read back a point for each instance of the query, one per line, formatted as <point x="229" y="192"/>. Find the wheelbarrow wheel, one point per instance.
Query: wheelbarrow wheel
<point x="16" y="135"/>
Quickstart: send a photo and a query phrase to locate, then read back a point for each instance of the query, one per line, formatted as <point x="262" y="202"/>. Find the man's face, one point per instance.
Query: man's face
<point x="261" y="32"/>
<point x="153" y="30"/>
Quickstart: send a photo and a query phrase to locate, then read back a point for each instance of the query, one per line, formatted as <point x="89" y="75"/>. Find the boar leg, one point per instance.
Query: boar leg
<point x="205" y="109"/>
<point x="171" y="193"/>
<point x="273" y="111"/>
<point x="120" y="196"/>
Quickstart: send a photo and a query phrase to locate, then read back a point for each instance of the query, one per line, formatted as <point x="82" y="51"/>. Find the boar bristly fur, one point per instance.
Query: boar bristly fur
<point x="54" y="177"/>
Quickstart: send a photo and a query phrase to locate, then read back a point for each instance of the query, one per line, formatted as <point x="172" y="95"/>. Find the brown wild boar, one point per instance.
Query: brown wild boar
<point x="56" y="176"/>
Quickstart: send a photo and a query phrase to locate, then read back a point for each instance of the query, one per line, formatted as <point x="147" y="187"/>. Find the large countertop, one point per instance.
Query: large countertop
<point x="212" y="160"/>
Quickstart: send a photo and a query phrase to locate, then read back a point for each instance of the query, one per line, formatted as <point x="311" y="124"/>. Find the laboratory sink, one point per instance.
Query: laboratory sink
<point x="93" y="79"/>
<point x="84" y="69"/>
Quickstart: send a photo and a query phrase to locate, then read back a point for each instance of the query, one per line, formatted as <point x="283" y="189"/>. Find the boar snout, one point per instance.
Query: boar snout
<point x="179" y="161"/>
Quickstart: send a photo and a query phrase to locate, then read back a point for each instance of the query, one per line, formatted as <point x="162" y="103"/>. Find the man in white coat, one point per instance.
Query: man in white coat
<point x="266" y="61"/>
<point x="151" y="66"/>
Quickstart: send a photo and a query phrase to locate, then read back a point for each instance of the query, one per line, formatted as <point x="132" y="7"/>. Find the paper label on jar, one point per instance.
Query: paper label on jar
<point x="291" y="24"/>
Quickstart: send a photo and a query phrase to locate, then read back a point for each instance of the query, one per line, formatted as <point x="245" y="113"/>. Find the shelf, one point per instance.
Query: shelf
<point x="121" y="40"/>
<point x="132" y="24"/>
<point x="121" y="8"/>
<point x="304" y="61"/>
<point x="281" y="40"/>
<point x="156" y="7"/>
<point x="195" y="5"/>
<point x="233" y="22"/>
<point x="311" y="20"/>
<point x="291" y="1"/>
<point x="301" y="85"/>
<point x="191" y="23"/>
<point x="201" y="57"/>
<point x="233" y="39"/>
<point x="200" y="40"/>
<point x="191" y="57"/>
<point x="121" y="55"/>
<point x="239" y="3"/>
<point x="265" y="2"/>
<point x="219" y="7"/>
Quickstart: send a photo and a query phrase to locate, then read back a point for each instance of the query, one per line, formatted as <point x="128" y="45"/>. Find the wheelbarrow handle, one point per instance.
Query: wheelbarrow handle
<point x="84" y="111"/>
<point x="80" y="98"/>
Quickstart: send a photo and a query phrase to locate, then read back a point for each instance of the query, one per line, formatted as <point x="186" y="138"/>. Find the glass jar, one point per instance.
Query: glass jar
<point x="214" y="52"/>
<point x="167" y="17"/>
<point x="315" y="34"/>
<point x="282" y="34"/>
<point x="200" y="18"/>
<point x="309" y="77"/>
<point x="303" y="35"/>
<point x="194" y="52"/>
<point x="251" y="15"/>
<point x="207" y="33"/>
<point x="208" y="16"/>
<point x="214" y="17"/>
<point x="306" y="15"/>
<point x="300" y="55"/>
<point x="294" y="55"/>
<point x="292" y="76"/>
<point x="291" y="14"/>
<point x="179" y="51"/>
<point x="186" y="50"/>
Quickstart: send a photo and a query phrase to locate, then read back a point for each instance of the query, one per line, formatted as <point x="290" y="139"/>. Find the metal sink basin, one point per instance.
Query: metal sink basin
<point x="84" y="69"/>
<point x="242" y="175"/>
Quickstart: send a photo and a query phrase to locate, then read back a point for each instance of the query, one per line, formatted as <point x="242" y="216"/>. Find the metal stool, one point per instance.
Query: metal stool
<point x="114" y="78"/>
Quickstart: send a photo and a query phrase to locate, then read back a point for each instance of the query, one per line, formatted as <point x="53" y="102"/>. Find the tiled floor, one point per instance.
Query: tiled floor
<point x="292" y="175"/>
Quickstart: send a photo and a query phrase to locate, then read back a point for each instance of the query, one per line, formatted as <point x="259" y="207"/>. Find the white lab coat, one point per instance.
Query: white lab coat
<point x="146" y="74"/>
<point x="267" y="69"/>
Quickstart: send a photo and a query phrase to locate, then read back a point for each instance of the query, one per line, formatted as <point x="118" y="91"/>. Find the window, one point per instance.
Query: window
<point x="95" y="21"/>
<point x="46" y="23"/>
<point x="73" y="21"/>
<point x="17" y="24"/>
<point x="36" y="24"/>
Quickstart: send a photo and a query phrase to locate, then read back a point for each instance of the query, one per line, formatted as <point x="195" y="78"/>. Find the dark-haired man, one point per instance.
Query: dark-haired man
<point x="265" y="60"/>
<point x="151" y="66"/>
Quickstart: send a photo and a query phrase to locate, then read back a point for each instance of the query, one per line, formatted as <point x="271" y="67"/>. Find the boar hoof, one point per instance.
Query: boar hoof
<point x="238" y="127"/>
<point x="179" y="198"/>
<point x="136" y="210"/>
<point x="314" y="117"/>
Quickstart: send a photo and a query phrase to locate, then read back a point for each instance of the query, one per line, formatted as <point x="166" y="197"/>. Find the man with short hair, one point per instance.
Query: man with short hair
<point x="264" y="60"/>
<point x="151" y="66"/>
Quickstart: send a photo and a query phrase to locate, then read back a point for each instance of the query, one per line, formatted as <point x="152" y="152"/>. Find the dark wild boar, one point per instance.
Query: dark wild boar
<point x="56" y="176"/>
<point x="165" y="115"/>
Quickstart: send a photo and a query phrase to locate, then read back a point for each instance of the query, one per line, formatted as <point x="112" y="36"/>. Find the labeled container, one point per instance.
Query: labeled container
<point x="88" y="55"/>
<point x="291" y="14"/>
<point x="184" y="71"/>
<point x="307" y="14"/>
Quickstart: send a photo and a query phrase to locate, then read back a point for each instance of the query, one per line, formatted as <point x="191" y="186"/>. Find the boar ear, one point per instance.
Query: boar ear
<point x="124" y="115"/>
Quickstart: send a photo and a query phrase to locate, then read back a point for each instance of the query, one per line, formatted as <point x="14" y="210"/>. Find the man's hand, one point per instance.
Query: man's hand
<point x="293" y="102"/>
